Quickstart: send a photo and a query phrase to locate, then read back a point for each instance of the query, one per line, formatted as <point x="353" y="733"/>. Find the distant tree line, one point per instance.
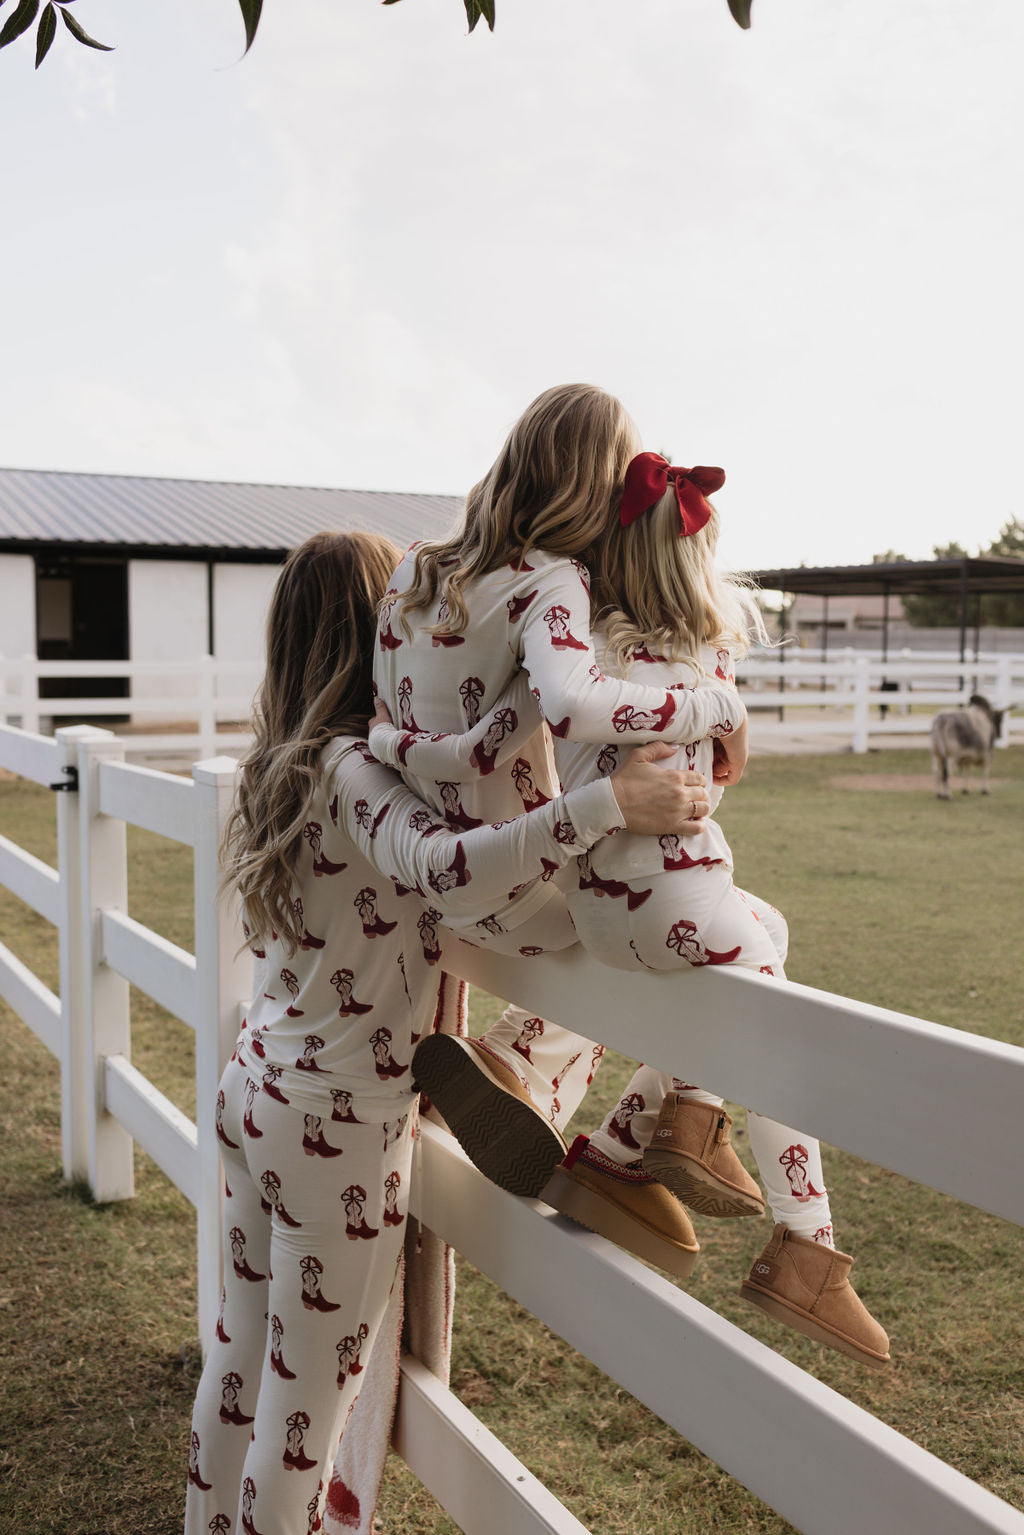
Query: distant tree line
<point x="941" y="610"/>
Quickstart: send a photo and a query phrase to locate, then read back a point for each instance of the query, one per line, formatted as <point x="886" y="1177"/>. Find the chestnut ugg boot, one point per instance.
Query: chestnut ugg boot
<point x="691" y="1154"/>
<point x="489" y="1111"/>
<point x="625" y="1205"/>
<point x="807" y="1286"/>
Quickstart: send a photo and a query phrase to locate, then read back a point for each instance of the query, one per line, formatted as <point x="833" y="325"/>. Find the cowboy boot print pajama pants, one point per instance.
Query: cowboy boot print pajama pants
<point x="314" y="1215"/>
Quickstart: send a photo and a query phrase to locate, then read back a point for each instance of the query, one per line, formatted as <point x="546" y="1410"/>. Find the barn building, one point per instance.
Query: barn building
<point x="113" y="567"/>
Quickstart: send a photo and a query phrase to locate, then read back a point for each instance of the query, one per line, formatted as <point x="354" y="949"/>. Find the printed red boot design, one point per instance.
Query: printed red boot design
<point x="239" y="1261"/>
<point x="374" y="926"/>
<point x="272" y="1195"/>
<point x="291" y="982"/>
<point x="249" y="1126"/>
<point x="277" y="1363"/>
<point x="307" y="1060"/>
<point x="562" y="638"/>
<point x="522" y="778"/>
<point x="220" y="1333"/>
<point x="348" y="1353"/>
<point x="314" y="835"/>
<point x="311" y="1270"/>
<point x="313" y="1143"/>
<point x="616" y="888"/>
<point x="628" y="717"/>
<point x="271" y="1077"/>
<point x="384" y="1063"/>
<point x="248" y="1506"/>
<point x="295" y="1457"/>
<point x="193" y="1465"/>
<point x="342" y="1109"/>
<point x="342" y="981"/>
<point x="471" y="691"/>
<point x="532" y="1029"/>
<point x="221" y="1133"/>
<point x="230" y="1410"/>
<point x="687" y="942"/>
<point x="484" y="756"/>
<point x="392" y="1214"/>
<point x="619" y="1126"/>
<point x="354" y="1200"/>
<point x="794" y="1164"/>
<point x="454" y="877"/>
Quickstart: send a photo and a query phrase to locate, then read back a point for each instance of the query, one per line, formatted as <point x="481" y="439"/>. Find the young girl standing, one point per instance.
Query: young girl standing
<point x="669" y="619"/>
<point x="344" y="876"/>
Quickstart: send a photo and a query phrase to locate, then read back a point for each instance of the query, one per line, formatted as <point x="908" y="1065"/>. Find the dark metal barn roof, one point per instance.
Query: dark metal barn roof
<point x="157" y="517"/>
<point x="970" y="573"/>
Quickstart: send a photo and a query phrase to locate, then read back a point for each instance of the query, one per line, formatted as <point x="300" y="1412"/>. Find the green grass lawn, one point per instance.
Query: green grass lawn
<point x="892" y="896"/>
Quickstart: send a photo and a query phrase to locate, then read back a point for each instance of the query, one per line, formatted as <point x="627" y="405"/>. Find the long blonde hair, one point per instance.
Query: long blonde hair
<point x="653" y="588"/>
<point x="552" y="486"/>
<point x="318" y="684"/>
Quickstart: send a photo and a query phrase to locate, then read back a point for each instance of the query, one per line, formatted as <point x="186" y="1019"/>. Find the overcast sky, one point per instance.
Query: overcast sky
<point x="352" y="258"/>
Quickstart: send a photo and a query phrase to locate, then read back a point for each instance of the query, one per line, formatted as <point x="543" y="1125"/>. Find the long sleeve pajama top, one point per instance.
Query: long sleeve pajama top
<point x="376" y="874"/>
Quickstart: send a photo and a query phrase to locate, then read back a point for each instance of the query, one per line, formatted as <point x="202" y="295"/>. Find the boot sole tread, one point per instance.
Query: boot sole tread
<point x="506" y="1138"/>
<point x="698" y="1190"/>
<point x="800" y="1321"/>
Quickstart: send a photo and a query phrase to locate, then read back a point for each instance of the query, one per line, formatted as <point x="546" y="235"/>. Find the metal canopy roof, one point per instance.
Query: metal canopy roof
<point x="163" y="518"/>
<point x="971" y="573"/>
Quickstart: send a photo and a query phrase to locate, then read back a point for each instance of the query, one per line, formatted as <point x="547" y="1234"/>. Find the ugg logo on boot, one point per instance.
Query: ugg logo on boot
<point x="765" y="1270"/>
<point x="664" y="1134"/>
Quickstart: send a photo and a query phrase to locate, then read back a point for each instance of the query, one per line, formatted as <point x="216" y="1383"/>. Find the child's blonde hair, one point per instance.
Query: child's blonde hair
<point x="553" y="486"/>
<point x="318" y="684"/>
<point x="652" y="587"/>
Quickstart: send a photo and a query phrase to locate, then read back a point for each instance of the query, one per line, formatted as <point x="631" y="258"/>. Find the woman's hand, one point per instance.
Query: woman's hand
<point x="380" y="715"/>
<point x="730" y="756"/>
<point x="656" y="801"/>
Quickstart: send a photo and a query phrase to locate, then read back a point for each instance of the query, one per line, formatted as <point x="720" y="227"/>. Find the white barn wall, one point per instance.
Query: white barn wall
<point x="167" y="621"/>
<point x="17" y="606"/>
<point x="241" y="597"/>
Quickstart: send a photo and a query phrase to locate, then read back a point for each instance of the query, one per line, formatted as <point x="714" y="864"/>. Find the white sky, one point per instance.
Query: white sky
<point x="354" y="257"/>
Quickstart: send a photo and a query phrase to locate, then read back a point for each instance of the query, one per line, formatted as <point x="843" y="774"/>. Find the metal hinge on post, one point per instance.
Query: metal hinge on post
<point x="70" y="784"/>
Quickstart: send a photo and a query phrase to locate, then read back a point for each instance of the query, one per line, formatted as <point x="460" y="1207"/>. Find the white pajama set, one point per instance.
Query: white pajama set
<point x="315" y="1117"/>
<point x="633" y="902"/>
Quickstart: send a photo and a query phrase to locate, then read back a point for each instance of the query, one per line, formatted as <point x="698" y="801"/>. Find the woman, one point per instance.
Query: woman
<point x="344" y="878"/>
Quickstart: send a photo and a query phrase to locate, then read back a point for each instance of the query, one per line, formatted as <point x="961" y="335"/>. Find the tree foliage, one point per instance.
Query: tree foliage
<point x="24" y="15"/>
<point x="941" y="610"/>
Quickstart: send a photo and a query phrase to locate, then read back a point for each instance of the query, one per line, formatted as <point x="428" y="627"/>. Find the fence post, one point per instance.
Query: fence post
<point x="105" y="1017"/>
<point x="1002" y="698"/>
<point x="224" y="979"/>
<point x="76" y="1074"/>
<point x="860" y="704"/>
<point x="207" y="706"/>
<point x="29" y="694"/>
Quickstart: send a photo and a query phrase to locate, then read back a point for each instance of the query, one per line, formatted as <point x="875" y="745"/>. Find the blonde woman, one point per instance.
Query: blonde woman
<point x="669" y="626"/>
<point x="344" y="876"/>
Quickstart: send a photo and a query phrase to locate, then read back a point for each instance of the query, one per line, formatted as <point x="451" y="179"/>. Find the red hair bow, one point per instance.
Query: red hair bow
<point x="647" y="479"/>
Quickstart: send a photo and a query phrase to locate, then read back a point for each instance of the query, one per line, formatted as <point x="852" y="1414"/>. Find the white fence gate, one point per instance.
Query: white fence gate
<point x="878" y="1083"/>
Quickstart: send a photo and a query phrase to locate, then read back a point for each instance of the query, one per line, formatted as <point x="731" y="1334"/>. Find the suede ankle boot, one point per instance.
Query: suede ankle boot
<point x="489" y="1111"/>
<point x="624" y="1204"/>
<point x="690" y="1153"/>
<point x="807" y="1286"/>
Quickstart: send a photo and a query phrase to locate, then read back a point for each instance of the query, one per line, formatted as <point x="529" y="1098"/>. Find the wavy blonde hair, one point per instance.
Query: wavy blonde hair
<point x="552" y="486"/>
<point x="651" y="587"/>
<point x="318" y="684"/>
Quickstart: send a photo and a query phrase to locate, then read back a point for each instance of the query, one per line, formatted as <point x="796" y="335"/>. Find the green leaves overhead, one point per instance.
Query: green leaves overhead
<point x="26" y="11"/>
<point x="251" y="10"/>
<point x="24" y="14"/>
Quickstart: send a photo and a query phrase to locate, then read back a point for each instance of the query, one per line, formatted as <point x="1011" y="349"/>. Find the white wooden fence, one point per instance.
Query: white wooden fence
<point x="855" y="694"/>
<point x="878" y="1083"/>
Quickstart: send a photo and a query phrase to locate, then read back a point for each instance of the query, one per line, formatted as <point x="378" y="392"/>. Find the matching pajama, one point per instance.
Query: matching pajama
<point x="634" y="902"/>
<point x="315" y="1116"/>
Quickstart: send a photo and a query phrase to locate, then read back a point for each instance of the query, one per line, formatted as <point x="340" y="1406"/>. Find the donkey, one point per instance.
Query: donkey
<point x="964" y="737"/>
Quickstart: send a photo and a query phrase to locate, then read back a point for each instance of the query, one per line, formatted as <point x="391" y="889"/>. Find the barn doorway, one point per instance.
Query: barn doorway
<point x="82" y="615"/>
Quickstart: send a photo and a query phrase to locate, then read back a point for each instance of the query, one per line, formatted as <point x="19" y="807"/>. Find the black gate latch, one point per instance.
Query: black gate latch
<point x="70" y="785"/>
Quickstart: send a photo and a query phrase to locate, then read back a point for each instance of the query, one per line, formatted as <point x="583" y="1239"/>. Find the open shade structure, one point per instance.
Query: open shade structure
<point x="964" y="577"/>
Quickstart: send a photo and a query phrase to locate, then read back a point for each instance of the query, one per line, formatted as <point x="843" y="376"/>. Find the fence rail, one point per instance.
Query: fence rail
<point x="894" y="1084"/>
<point x="854" y="693"/>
